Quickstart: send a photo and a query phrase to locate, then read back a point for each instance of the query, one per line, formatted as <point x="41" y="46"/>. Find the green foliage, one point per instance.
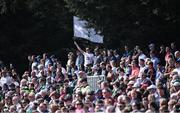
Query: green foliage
<point x="130" y="21"/>
<point x="32" y="27"/>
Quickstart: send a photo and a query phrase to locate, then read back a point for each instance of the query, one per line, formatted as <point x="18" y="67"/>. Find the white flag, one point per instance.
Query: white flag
<point x="81" y="31"/>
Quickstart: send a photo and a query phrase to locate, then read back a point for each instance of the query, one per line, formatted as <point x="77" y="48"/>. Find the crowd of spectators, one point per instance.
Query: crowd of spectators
<point x="135" y="81"/>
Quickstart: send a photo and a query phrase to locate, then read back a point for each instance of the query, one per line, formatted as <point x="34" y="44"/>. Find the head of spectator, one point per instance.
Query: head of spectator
<point x="98" y="94"/>
<point x="104" y="85"/>
<point x="12" y="109"/>
<point x="152" y="47"/>
<point x="173" y="45"/>
<point x="163" y="102"/>
<point x="141" y="62"/>
<point x="162" y="48"/>
<point x="110" y="52"/>
<point x="54" y="108"/>
<point x="15" y="100"/>
<point x="134" y="94"/>
<point x="145" y="103"/>
<point x="106" y="93"/>
<point x="8" y="100"/>
<point x="151" y="98"/>
<point x="110" y="109"/>
<point x="88" y="50"/>
<point x="23" y="83"/>
<point x="177" y="54"/>
<point x="153" y="107"/>
<point x="152" y="89"/>
<point x="161" y="91"/>
<point x="43" y="107"/>
<point x="171" y="104"/>
<point x="152" y="54"/>
<point x="129" y="85"/>
<point x="24" y="103"/>
<point x="31" y="97"/>
<point x="136" y="106"/>
<point x="176" y="86"/>
<point x="81" y="74"/>
<point x="79" y="105"/>
<point x="67" y="100"/>
<point x="177" y="64"/>
<point x="163" y="109"/>
<point x="168" y="50"/>
<point x="126" y="48"/>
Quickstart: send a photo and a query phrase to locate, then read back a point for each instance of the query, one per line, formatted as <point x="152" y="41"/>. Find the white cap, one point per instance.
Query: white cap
<point x="176" y="84"/>
<point x="151" y="87"/>
<point x="136" y="85"/>
<point x="131" y="82"/>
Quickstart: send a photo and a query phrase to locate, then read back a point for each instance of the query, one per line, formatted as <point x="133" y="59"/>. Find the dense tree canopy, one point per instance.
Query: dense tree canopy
<point x="130" y="21"/>
<point x="32" y="27"/>
<point x="36" y="26"/>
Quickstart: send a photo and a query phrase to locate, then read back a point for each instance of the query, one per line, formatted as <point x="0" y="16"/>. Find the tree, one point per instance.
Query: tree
<point x="33" y="27"/>
<point x="130" y="21"/>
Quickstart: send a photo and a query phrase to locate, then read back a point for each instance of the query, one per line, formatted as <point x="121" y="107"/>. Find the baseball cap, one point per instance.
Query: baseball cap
<point x="176" y="84"/>
<point x="151" y="87"/>
<point x="130" y="82"/>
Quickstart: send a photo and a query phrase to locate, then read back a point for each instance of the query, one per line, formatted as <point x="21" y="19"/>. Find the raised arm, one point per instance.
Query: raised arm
<point x="79" y="47"/>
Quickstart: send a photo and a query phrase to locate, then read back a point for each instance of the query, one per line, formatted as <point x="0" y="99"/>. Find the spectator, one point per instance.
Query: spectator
<point x="88" y="56"/>
<point x="135" y="70"/>
<point x="79" y="60"/>
<point x="111" y="83"/>
<point x="177" y="65"/>
<point x="162" y="54"/>
<point x="154" y="59"/>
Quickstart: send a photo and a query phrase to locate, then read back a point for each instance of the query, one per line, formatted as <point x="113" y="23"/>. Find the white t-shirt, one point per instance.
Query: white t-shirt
<point x="5" y="80"/>
<point x="88" y="58"/>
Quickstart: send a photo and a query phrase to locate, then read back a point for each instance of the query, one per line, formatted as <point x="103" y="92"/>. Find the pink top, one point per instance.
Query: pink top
<point x="135" y="72"/>
<point x="79" y="111"/>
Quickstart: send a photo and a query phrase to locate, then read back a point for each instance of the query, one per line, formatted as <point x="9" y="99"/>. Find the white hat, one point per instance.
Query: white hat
<point x="151" y="87"/>
<point x="131" y="82"/>
<point x="176" y="84"/>
<point x="94" y="67"/>
<point x="81" y="73"/>
<point x="136" y="85"/>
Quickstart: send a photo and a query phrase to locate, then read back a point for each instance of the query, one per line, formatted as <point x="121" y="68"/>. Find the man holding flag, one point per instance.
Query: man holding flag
<point x="88" y="56"/>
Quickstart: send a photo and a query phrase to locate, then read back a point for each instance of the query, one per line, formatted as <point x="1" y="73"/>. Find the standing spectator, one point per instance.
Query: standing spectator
<point x="135" y="70"/>
<point x="154" y="59"/>
<point x="173" y="47"/>
<point x="111" y="56"/>
<point x="162" y="54"/>
<point x="169" y="67"/>
<point x="88" y="56"/>
<point x="168" y="54"/>
<point x="116" y="55"/>
<point x="5" y="78"/>
<point x="126" y="53"/>
<point x="97" y="57"/>
<point x="79" y="60"/>
<point x="151" y="72"/>
<point x="141" y="55"/>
